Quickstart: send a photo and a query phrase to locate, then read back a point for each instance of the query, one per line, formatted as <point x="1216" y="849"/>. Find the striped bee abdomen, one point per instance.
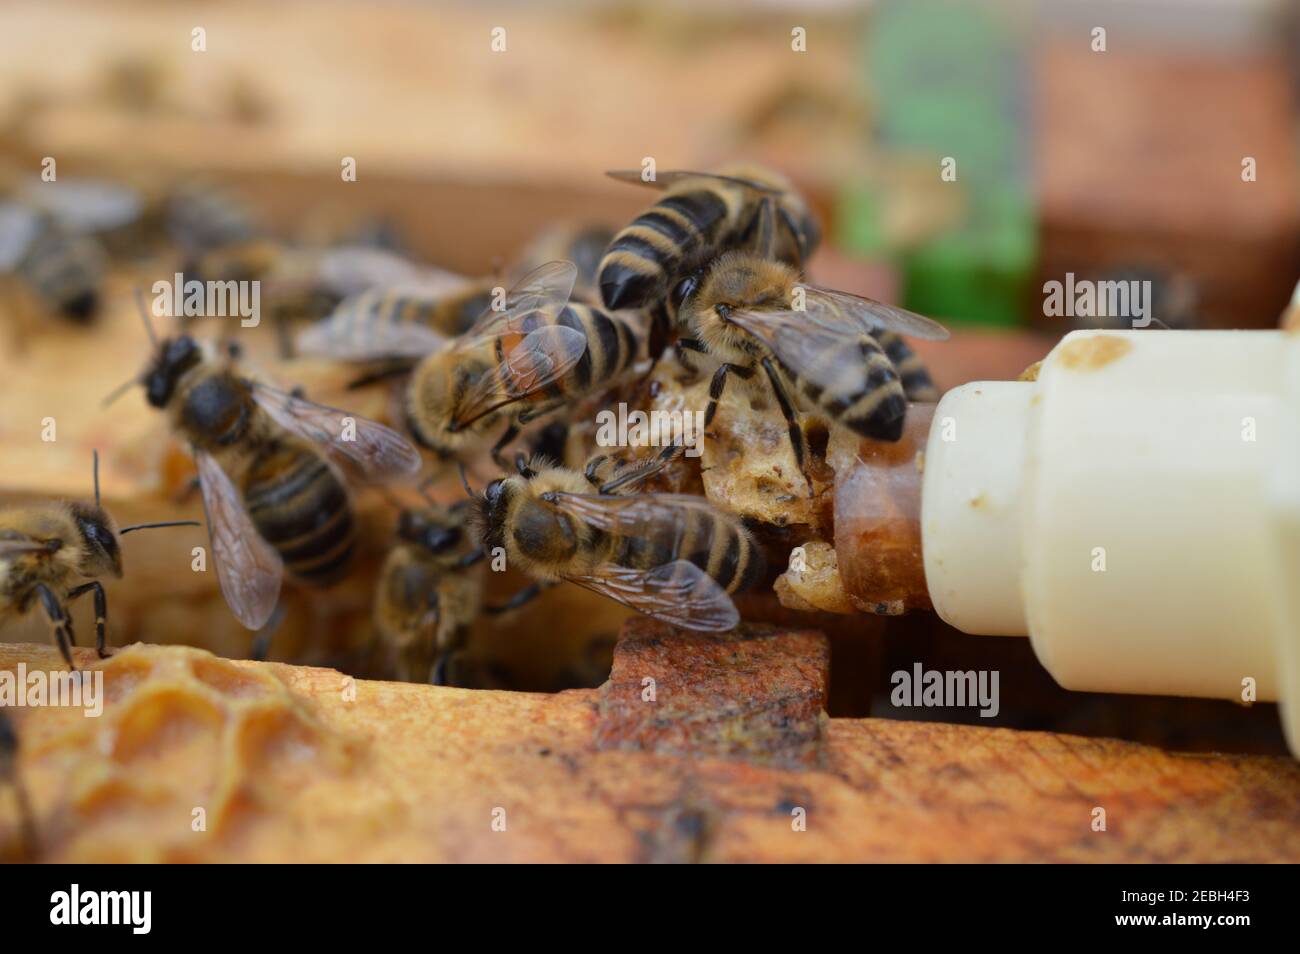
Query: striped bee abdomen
<point x="300" y="506"/>
<point x="644" y="258"/>
<point x="862" y="391"/>
<point x="712" y="541"/>
<point x="915" y="377"/>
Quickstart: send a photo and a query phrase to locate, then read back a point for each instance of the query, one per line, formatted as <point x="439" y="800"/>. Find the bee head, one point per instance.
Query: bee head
<point x="736" y="281"/>
<point x="99" y="536"/>
<point x="434" y="530"/>
<point x="173" y="357"/>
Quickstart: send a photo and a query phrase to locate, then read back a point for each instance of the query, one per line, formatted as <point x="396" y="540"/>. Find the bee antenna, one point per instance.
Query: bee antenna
<point x="144" y="316"/>
<point x="151" y="526"/>
<point x="464" y="480"/>
<point x="118" y="391"/>
<point x="94" y="456"/>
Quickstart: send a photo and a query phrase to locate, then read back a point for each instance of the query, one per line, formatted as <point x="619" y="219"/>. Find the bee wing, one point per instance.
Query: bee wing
<point x="633" y="514"/>
<point x="248" y="568"/>
<point x="678" y="593"/>
<point x="874" y="315"/>
<point x="544" y="356"/>
<point x="818" y="348"/>
<point x="14" y="546"/>
<point x="19" y="226"/>
<point x="663" y="180"/>
<point x="543" y="292"/>
<point x="354" y="268"/>
<point x="380" y="452"/>
<point x="85" y="205"/>
<point x="342" y="336"/>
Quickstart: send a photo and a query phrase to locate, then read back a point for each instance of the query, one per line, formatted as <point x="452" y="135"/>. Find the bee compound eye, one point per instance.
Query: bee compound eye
<point x="683" y="290"/>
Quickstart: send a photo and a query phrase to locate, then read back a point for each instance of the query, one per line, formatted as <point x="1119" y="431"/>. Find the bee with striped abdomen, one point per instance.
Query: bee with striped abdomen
<point x="46" y="548"/>
<point x="269" y="470"/>
<point x="700" y="216"/>
<point x="671" y="556"/>
<point x="430" y="591"/>
<point x="514" y="365"/>
<point x="835" y="352"/>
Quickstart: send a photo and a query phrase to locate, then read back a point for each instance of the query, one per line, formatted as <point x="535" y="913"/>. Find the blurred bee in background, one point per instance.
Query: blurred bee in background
<point x="701" y="215"/>
<point x="310" y="283"/>
<point x="674" y="557"/>
<point x="430" y="591"/>
<point x="9" y="776"/>
<point x="45" y="548"/>
<point x="201" y="217"/>
<point x="268" y="468"/>
<point x="834" y="352"/>
<point x="62" y="271"/>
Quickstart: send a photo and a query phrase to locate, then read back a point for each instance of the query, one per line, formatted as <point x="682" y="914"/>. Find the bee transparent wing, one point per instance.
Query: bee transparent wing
<point x="19" y="227"/>
<point x="84" y="205"/>
<point x="826" y="352"/>
<point x="540" y="295"/>
<point x="633" y="514"/>
<point x="825" y="303"/>
<point x="248" y="568"/>
<point x="544" y="356"/>
<point x="345" y="335"/>
<point x="379" y="452"/>
<point x="16" y="546"/>
<point x="664" y="180"/>
<point x="354" y="268"/>
<point x="678" y="593"/>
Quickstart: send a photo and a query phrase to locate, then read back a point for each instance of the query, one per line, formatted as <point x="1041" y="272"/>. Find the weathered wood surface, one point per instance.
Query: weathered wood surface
<point x="291" y="763"/>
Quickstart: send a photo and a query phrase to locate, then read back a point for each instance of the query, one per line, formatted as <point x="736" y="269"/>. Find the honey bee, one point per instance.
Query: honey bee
<point x="838" y="353"/>
<point x="9" y="776"/>
<point x="430" y="591"/>
<point x="269" y="469"/>
<point x="46" y="548"/>
<point x="674" y="557"/>
<point x="201" y="217"/>
<point x="355" y="286"/>
<point x="514" y="365"/>
<point x="700" y="216"/>
<point x="62" y="269"/>
<point x="383" y="322"/>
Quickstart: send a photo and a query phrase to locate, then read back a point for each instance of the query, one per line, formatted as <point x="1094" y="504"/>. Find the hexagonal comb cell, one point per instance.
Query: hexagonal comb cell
<point x="185" y="735"/>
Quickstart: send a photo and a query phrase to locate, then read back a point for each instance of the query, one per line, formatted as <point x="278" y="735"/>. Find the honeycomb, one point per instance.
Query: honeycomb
<point x="190" y="753"/>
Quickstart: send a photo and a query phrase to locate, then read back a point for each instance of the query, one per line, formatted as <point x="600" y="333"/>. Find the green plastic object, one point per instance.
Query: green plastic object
<point x="950" y="79"/>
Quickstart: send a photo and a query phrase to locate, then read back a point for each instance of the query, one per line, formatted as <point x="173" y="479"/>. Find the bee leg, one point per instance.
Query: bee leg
<point x="527" y="594"/>
<point x="680" y="348"/>
<point x="797" y="440"/>
<point x="510" y="434"/>
<point x="469" y="559"/>
<point x="60" y="621"/>
<point x="101" y="612"/>
<point x="719" y="383"/>
<point x="438" y="672"/>
<point x="593" y="466"/>
<point x="261" y="645"/>
<point x="9" y="774"/>
<point x="637" y="475"/>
